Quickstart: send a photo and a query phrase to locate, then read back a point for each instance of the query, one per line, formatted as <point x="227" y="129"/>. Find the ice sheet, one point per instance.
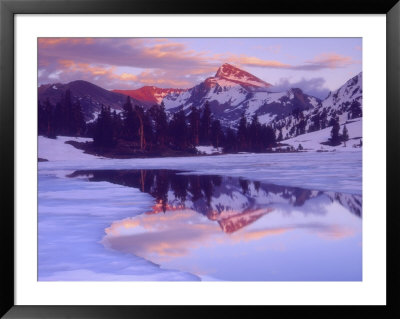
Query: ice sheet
<point x="327" y="171"/>
<point x="73" y="216"/>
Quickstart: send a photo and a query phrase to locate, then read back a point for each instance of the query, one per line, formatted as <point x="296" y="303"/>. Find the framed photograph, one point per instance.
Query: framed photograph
<point x="162" y="154"/>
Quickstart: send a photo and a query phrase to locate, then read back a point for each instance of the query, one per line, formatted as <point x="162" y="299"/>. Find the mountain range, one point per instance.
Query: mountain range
<point x="231" y="93"/>
<point x="90" y="96"/>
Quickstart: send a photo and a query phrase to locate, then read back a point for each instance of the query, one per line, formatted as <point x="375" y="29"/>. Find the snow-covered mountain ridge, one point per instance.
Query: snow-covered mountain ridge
<point x="232" y="92"/>
<point x="344" y="104"/>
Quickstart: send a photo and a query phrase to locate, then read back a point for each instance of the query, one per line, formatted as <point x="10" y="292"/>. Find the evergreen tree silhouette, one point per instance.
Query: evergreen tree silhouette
<point x="345" y="134"/>
<point x="117" y="125"/>
<point x="178" y="130"/>
<point x="103" y="131"/>
<point x="161" y="125"/>
<point x="355" y="109"/>
<point x="217" y="135"/>
<point x="242" y="134"/>
<point x="254" y="135"/>
<point x="267" y="136"/>
<point x="148" y="130"/>
<point x="230" y="142"/>
<point x="194" y="126"/>
<point x="130" y="121"/>
<point x="335" y="138"/>
<point x="205" y="125"/>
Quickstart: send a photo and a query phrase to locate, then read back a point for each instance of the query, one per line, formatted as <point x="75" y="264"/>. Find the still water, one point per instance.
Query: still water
<point x="229" y="228"/>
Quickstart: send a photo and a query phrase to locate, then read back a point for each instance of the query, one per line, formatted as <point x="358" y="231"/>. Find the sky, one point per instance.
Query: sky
<point x="315" y="65"/>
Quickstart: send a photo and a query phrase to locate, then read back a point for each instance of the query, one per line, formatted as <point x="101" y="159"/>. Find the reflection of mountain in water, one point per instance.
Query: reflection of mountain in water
<point x="232" y="202"/>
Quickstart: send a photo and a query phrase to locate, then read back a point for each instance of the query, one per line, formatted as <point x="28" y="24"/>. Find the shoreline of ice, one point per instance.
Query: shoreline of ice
<point x="63" y="251"/>
<point x="326" y="171"/>
<point x="74" y="251"/>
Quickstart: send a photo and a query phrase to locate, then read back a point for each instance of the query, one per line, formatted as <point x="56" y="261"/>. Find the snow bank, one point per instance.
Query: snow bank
<point x="312" y="141"/>
<point x="57" y="150"/>
<point x="73" y="216"/>
<point x="208" y="150"/>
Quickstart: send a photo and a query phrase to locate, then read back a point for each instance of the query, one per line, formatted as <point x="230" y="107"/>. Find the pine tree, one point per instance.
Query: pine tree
<point x="216" y="133"/>
<point x="335" y="138"/>
<point x="345" y="134"/>
<point x="333" y="121"/>
<point x="77" y="124"/>
<point x="58" y="119"/>
<point x="178" y="130"/>
<point x="42" y="125"/>
<point x="242" y="133"/>
<point x="194" y="122"/>
<point x="67" y="117"/>
<point x="103" y="130"/>
<point x="148" y="130"/>
<point x="268" y="136"/>
<point x="301" y="127"/>
<point x="254" y="135"/>
<point x="280" y="136"/>
<point x="161" y="126"/>
<point x="67" y="110"/>
<point x="117" y="124"/>
<point x="316" y="124"/>
<point x="61" y="120"/>
<point x="49" y="110"/>
<point x="205" y="125"/>
<point x="230" y="142"/>
<point x="355" y="109"/>
<point x="130" y="120"/>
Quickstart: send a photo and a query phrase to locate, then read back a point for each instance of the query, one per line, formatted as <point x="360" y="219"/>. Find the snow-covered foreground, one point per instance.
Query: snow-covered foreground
<point x="327" y="171"/>
<point x="75" y="215"/>
<point x="312" y="141"/>
<point x="57" y="150"/>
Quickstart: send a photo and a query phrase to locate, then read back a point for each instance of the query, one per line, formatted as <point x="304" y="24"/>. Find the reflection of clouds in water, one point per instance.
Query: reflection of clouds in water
<point x="258" y="234"/>
<point x="178" y="234"/>
<point x="172" y="234"/>
<point x="219" y="226"/>
<point x="336" y="232"/>
<point x="73" y="215"/>
<point x="197" y="220"/>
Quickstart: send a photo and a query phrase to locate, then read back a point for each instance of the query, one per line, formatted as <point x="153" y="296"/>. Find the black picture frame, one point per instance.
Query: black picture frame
<point x="9" y="8"/>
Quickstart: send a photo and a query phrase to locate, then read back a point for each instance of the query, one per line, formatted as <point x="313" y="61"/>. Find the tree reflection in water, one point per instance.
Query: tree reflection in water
<point x="206" y="224"/>
<point x="215" y="196"/>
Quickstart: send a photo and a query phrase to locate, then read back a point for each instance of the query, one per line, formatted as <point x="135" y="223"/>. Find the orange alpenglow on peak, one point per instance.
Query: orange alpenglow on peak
<point x="151" y="94"/>
<point x="234" y="74"/>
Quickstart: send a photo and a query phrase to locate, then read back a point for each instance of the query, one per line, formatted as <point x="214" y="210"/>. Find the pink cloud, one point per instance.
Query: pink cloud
<point x="47" y="42"/>
<point x="322" y="61"/>
<point x="254" y="61"/>
<point x="331" y="61"/>
<point x="162" y="62"/>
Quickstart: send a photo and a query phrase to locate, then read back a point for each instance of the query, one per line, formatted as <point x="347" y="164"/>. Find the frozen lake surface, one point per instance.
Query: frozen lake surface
<point x="256" y="217"/>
